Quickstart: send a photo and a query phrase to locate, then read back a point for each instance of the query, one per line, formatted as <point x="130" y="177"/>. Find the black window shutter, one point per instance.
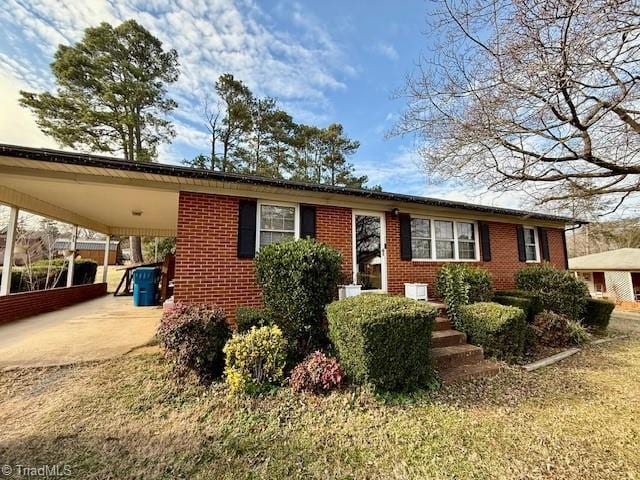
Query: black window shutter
<point x="485" y="241"/>
<point x="544" y="243"/>
<point x="307" y="221"/>
<point x="247" y="229"/>
<point x="522" y="256"/>
<point x="405" y="236"/>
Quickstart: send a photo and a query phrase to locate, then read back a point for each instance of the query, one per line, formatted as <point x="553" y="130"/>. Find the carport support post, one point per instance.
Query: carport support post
<point x="72" y="256"/>
<point x="106" y="258"/>
<point x="12" y="228"/>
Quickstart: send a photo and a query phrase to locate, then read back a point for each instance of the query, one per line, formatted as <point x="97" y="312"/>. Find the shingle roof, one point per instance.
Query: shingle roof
<point x="621" y="259"/>
<point x="58" y="156"/>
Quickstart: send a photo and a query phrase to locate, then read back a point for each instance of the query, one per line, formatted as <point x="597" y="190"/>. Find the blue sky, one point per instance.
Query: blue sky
<point x="328" y="61"/>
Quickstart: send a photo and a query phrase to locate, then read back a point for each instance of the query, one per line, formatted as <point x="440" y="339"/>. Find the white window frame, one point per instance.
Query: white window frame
<point x="296" y="220"/>
<point x="535" y="239"/>
<point x="456" y="255"/>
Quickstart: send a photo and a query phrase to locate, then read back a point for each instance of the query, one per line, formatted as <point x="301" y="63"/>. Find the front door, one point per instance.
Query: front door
<point x="369" y="251"/>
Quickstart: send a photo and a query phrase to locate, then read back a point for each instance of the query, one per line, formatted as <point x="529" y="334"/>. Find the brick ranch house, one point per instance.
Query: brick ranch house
<point x="221" y="220"/>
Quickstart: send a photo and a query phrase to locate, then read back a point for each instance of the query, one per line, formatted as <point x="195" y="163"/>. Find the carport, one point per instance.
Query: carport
<point x="72" y="188"/>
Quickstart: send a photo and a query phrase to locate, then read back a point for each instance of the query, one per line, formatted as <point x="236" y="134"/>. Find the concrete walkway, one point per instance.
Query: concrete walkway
<point x="93" y="330"/>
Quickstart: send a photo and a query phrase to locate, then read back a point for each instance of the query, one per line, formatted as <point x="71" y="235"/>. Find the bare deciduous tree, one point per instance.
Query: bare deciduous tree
<point x="540" y="96"/>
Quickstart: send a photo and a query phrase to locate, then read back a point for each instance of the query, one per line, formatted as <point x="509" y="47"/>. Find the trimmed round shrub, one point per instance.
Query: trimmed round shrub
<point x="499" y="329"/>
<point x="551" y="329"/>
<point x="193" y="337"/>
<point x="316" y="374"/>
<point x="298" y="279"/>
<point x="558" y="290"/>
<point x="458" y="284"/>
<point x="383" y="340"/>
<point x="597" y="314"/>
<point x="248" y="317"/>
<point x="255" y="360"/>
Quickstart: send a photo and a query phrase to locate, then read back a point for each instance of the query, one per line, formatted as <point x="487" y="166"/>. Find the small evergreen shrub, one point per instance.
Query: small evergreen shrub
<point x="383" y="340"/>
<point x="193" y="338"/>
<point x="499" y="329"/>
<point x="526" y="304"/>
<point x="458" y="284"/>
<point x="597" y="314"/>
<point x="515" y="298"/>
<point x="453" y="289"/>
<point x="316" y="374"/>
<point x="480" y="284"/>
<point x="558" y="290"/>
<point x="255" y="360"/>
<point x="578" y="333"/>
<point x="298" y="279"/>
<point x="551" y="329"/>
<point x="248" y="317"/>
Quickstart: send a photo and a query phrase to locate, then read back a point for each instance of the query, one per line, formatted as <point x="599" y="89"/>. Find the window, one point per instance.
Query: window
<point x="443" y="240"/>
<point x="420" y="238"/>
<point x="530" y="244"/>
<point x="466" y="241"/>
<point x="277" y="223"/>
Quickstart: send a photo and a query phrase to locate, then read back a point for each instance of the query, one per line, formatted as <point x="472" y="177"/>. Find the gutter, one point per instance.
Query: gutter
<point x="81" y="159"/>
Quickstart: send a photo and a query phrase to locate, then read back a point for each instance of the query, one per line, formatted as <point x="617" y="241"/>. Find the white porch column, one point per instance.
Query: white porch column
<point x="105" y="264"/>
<point x="5" y="285"/>
<point x="72" y="256"/>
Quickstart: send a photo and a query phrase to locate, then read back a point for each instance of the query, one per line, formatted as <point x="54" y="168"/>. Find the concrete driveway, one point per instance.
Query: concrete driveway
<point x="93" y="330"/>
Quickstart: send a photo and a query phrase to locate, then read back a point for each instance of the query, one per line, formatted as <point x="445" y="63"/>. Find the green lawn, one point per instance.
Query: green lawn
<point x="125" y="418"/>
<point x="114" y="275"/>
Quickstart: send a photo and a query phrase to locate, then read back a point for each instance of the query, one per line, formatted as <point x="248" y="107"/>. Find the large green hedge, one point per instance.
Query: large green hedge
<point x="35" y="278"/>
<point x="383" y="340"/>
<point x="298" y="279"/>
<point x="558" y="290"/>
<point x="499" y="329"/>
<point x="597" y="314"/>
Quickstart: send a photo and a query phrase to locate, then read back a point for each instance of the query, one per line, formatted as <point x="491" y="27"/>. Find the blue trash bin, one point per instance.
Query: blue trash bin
<point x="145" y="285"/>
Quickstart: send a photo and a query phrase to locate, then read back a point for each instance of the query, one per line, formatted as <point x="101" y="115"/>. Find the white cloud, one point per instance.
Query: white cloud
<point x="211" y="37"/>
<point x="17" y="125"/>
<point x="386" y="50"/>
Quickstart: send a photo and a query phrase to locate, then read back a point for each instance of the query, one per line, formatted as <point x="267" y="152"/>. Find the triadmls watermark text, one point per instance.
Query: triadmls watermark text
<point x="46" y="471"/>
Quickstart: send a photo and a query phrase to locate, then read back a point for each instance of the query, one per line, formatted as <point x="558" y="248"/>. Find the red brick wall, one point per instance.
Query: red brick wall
<point x="503" y="265"/>
<point x="209" y="270"/>
<point x="207" y="265"/>
<point x="22" y="305"/>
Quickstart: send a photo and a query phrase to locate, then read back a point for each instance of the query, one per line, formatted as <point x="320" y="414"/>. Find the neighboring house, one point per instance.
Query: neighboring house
<point x="221" y="220"/>
<point x="614" y="274"/>
<point x="91" y="249"/>
<point x="29" y="246"/>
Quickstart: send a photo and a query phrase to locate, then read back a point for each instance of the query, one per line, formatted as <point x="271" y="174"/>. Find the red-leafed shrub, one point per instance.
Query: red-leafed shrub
<point x="317" y="374"/>
<point x="192" y="337"/>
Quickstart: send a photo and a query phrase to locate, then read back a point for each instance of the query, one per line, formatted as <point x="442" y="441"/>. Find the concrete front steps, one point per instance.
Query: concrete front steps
<point x="454" y="358"/>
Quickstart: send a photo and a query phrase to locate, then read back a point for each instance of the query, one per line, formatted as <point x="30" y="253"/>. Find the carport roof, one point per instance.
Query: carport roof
<point x="35" y="175"/>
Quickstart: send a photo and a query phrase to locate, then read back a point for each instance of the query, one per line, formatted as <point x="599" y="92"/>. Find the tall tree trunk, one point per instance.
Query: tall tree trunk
<point x="135" y="243"/>
<point x="135" y="246"/>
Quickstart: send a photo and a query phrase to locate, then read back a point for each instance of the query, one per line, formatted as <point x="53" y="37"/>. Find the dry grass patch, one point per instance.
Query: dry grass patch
<point x="125" y="418"/>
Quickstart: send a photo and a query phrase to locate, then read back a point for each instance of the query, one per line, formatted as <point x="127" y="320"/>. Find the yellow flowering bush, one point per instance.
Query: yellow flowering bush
<point x="255" y="360"/>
